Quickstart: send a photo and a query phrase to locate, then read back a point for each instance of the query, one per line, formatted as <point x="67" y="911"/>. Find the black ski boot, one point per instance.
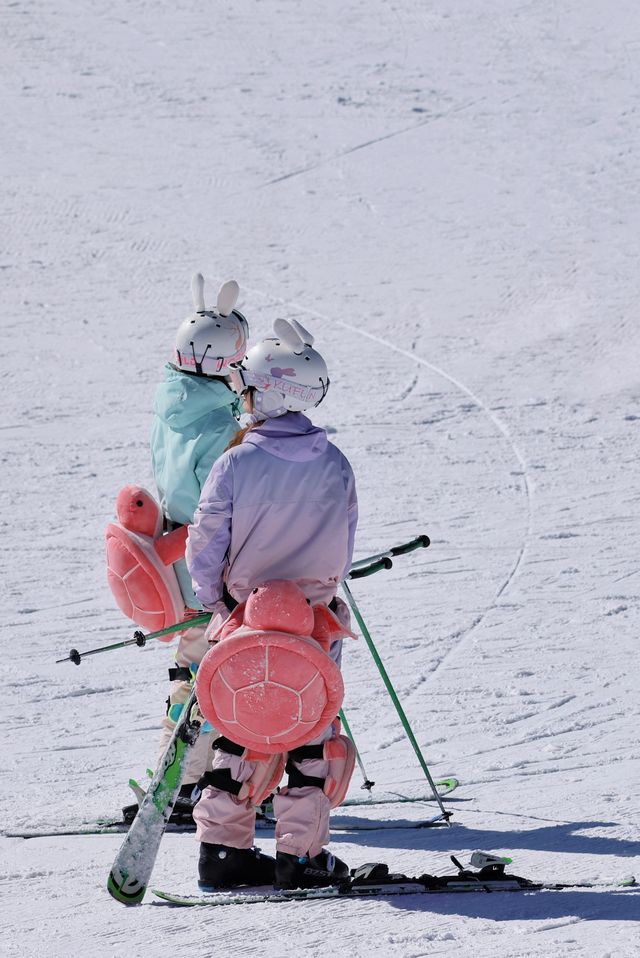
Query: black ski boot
<point x="221" y="866"/>
<point x="188" y="798"/>
<point x="293" y="871"/>
<point x="182" y="813"/>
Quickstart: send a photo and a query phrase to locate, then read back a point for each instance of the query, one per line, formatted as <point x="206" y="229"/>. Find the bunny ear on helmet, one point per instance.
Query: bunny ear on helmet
<point x="303" y="333"/>
<point x="210" y="341"/>
<point x="290" y="336"/>
<point x="227" y="297"/>
<point x="197" y="291"/>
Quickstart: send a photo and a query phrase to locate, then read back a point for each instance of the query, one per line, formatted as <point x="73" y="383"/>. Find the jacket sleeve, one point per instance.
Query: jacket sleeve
<point x="210" y="535"/>
<point x="352" y="513"/>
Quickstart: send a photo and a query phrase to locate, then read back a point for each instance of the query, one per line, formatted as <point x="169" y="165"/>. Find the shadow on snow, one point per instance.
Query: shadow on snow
<point x="561" y="837"/>
<point x="597" y="905"/>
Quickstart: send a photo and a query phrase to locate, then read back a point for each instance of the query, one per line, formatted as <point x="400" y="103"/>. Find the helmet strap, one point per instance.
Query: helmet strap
<point x="325" y="390"/>
<point x="198" y="362"/>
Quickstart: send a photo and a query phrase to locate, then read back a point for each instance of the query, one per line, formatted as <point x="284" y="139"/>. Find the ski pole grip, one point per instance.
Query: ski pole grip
<point x="420" y="542"/>
<point x="384" y="563"/>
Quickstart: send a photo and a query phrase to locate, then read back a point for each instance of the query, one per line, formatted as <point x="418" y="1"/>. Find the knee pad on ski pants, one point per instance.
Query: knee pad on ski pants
<point x="242" y="772"/>
<point x="326" y="764"/>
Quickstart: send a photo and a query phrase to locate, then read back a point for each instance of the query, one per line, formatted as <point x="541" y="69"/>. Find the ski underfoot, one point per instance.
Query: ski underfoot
<point x="112" y="827"/>
<point x="89" y="828"/>
<point x="374" y="881"/>
<point x="444" y="786"/>
<point x="120" y="828"/>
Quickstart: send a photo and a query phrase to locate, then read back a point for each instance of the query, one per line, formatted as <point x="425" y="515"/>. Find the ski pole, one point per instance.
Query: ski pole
<point x="384" y="562"/>
<point x="394" y="698"/>
<point x="139" y="638"/>
<point x="360" y="569"/>
<point x="420" y="542"/>
<point x="366" y="783"/>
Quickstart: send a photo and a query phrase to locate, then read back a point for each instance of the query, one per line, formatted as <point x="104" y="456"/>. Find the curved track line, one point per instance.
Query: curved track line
<point x="500" y="426"/>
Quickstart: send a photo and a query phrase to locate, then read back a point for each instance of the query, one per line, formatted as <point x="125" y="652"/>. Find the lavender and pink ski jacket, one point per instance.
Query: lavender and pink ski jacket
<point x="281" y="505"/>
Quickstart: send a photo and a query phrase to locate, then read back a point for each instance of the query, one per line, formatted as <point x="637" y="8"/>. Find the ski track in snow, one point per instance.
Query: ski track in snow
<point x="461" y="636"/>
<point x="364" y="146"/>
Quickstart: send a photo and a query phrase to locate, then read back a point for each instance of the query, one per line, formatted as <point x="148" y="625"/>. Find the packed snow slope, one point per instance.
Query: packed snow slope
<point x="447" y="194"/>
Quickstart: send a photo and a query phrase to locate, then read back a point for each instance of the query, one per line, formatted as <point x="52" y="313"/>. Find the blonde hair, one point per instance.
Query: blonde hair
<point x="241" y="433"/>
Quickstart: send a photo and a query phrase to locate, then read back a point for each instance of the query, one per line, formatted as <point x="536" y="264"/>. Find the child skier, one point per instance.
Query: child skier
<point x="279" y="505"/>
<point x="195" y="418"/>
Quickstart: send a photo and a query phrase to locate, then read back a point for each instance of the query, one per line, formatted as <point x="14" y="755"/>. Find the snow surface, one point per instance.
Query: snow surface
<point x="447" y="194"/>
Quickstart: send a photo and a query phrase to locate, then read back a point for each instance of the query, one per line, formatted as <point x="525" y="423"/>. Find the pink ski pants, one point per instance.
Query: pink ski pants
<point x="302" y="813"/>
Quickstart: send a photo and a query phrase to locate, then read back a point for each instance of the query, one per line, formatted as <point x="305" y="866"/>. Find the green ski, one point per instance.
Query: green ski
<point x="134" y="862"/>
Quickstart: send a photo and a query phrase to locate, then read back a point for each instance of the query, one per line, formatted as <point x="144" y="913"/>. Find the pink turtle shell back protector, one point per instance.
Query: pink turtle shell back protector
<point x="263" y="684"/>
<point x="139" y="562"/>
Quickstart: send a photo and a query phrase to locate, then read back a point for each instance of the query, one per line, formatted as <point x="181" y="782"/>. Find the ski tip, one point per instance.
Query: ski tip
<point x="119" y="892"/>
<point x="183" y="901"/>
<point x="447" y="785"/>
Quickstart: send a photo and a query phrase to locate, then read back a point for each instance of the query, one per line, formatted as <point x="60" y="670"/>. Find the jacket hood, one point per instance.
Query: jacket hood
<point x="292" y="437"/>
<point x="182" y="399"/>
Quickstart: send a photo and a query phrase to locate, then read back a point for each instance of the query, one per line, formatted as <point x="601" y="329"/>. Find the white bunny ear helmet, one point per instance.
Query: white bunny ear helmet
<point x="288" y="374"/>
<point x="211" y="339"/>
